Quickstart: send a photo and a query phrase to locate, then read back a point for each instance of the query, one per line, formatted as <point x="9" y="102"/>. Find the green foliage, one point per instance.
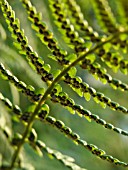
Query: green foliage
<point x="57" y="80"/>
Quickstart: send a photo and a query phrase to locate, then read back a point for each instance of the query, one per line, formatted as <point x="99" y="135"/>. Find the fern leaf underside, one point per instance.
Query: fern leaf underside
<point x="102" y="53"/>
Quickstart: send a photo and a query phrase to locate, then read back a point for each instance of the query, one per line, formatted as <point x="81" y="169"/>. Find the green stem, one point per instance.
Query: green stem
<point x="50" y="88"/>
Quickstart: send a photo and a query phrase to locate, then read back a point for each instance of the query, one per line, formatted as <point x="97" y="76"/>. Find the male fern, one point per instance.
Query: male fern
<point x="87" y="52"/>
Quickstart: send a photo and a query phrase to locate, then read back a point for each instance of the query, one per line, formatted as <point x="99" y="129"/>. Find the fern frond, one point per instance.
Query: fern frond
<point x="67" y="102"/>
<point x="38" y="146"/>
<point x="67" y="29"/>
<point x="68" y="132"/>
<point x="75" y="137"/>
<point x="81" y="45"/>
<point x="77" y="18"/>
<point x="113" y="59"/>
<point x="101" y="73"/>
<point x="95" y="52"/>
<point x="108" y="22"/>
<point x="63" y="23"/>
<point x="22" y="43"/>
<point x="98" y="97"/>
<point x="45" y="35"/>
<point x="20" y="85"/>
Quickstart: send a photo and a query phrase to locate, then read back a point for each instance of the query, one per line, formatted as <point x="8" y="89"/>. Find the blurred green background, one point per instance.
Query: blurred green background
<point x="114" y="144"/>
